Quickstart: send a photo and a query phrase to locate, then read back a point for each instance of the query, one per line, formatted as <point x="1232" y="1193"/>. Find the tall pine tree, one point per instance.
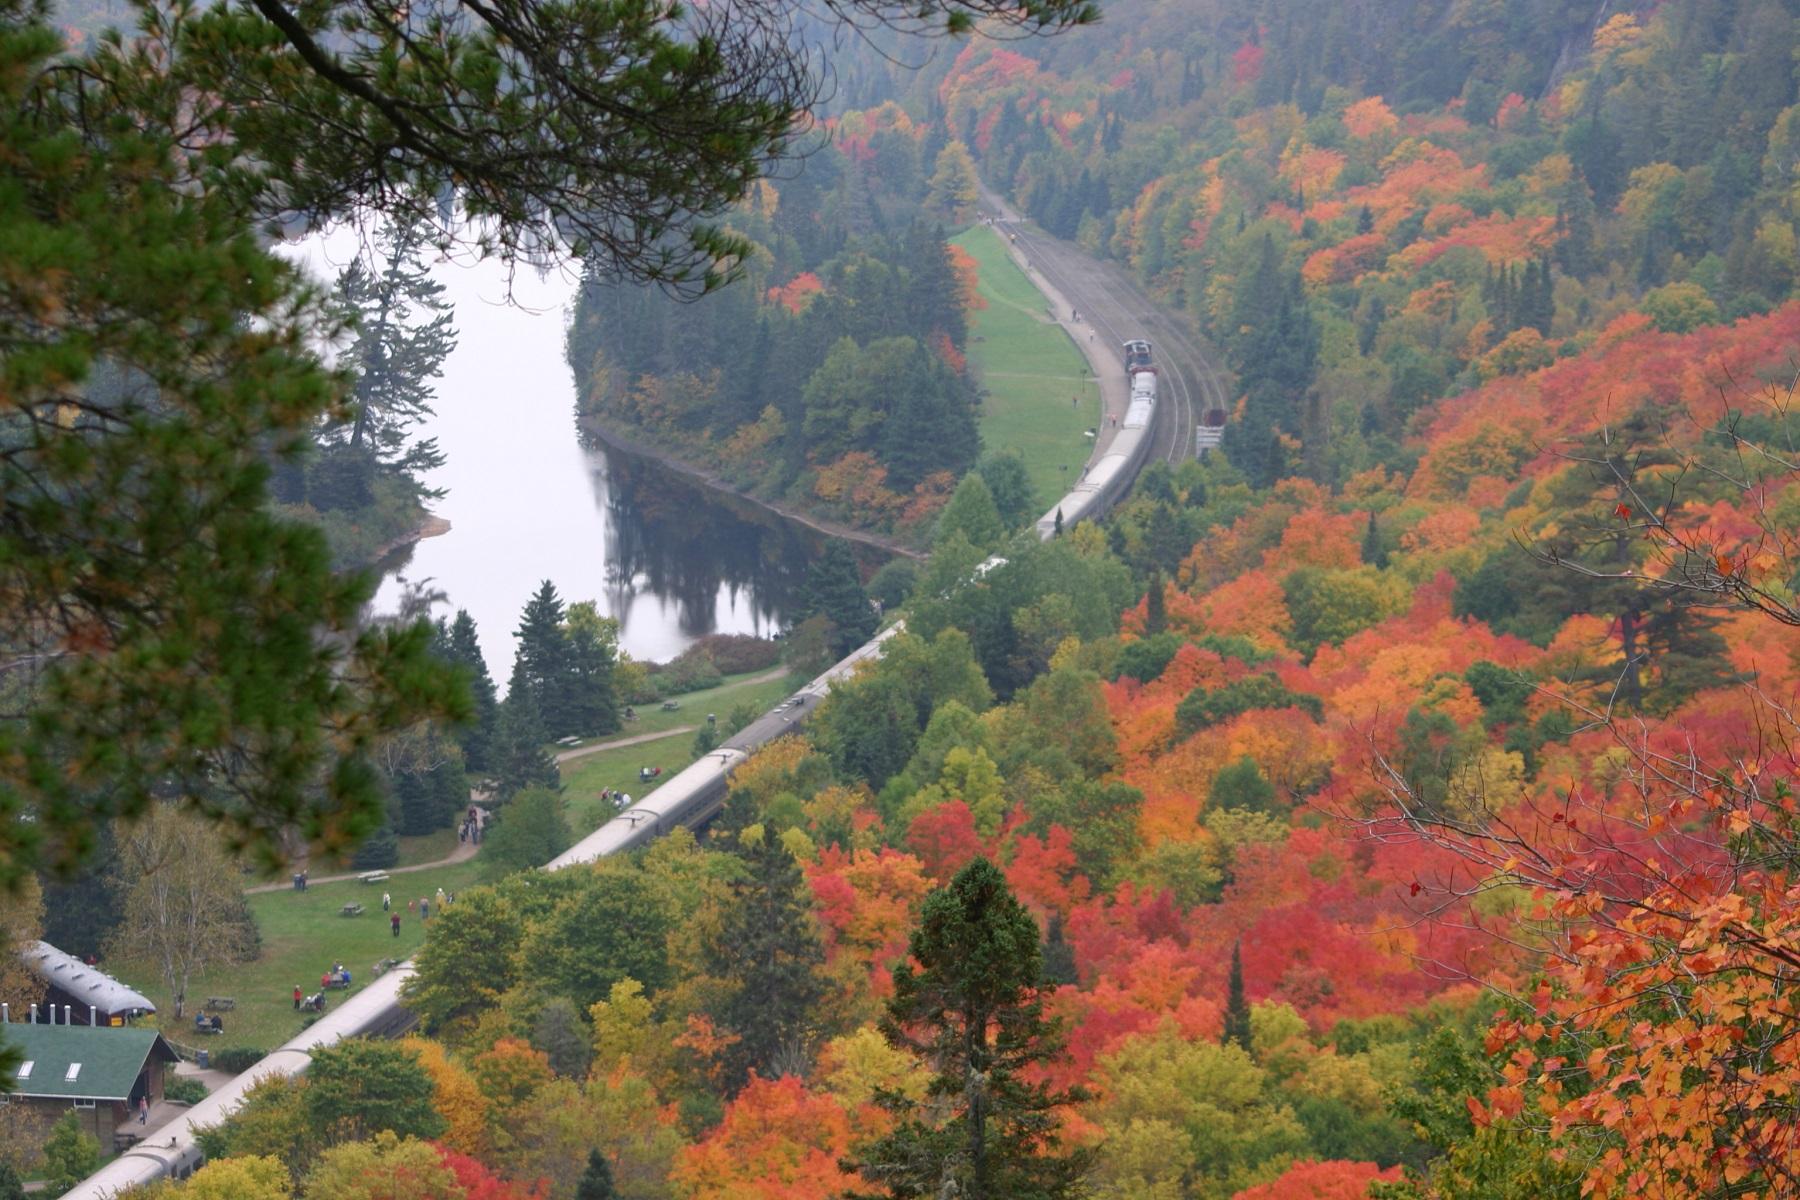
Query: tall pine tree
<point x="463" y="647"/>
<point x="542" y="660"/>
<point x="403" y="333"/>
<point x="519" y="759"/>
<point x="1237" y="1008"/>
<point x="597" y="1181"/>
<point x="972" y="1010"/>
<point x="768" y="951"/>
<point x="834" y="590"/>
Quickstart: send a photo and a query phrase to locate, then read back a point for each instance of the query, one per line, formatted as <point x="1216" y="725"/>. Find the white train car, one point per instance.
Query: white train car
<point x="1108" y="478"/>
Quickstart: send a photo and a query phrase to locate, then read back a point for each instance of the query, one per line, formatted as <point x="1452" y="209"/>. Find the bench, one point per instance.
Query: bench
<point x="352" y="909"/>
<point x="220" y="1003"/>
<point x="670" y="705"/>
<point x="374" y="877"/>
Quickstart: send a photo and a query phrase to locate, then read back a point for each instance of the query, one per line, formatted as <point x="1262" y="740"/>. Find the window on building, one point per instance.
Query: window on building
<point x="82" y="1104"/>
<point x="73" y="1071"/>
<point x="25" y="1070"/>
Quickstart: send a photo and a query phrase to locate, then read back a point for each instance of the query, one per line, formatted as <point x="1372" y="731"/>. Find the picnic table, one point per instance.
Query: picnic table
<point x="374" y="877"/>
<point x="670" y="705"/>
<point x="383" y="966"/>
<point x="352" y="909"/>
<point x="220" y="1003"/>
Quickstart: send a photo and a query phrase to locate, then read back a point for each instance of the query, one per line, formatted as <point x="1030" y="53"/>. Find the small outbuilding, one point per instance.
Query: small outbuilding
<point x="98" y="1071"/>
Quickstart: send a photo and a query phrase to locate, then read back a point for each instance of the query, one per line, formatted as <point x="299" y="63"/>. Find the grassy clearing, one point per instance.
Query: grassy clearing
<point x="692" y="711"/>
<point x="584" y="778"/>
<point x="302" y="935"/>
<point x="425" y="848"/>
<point x="1031" y="371"/>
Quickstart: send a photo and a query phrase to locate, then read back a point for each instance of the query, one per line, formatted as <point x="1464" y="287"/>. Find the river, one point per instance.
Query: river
<point x="526" y="501"/>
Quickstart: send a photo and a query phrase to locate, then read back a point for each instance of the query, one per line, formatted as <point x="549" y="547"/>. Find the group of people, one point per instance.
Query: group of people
<point x="613" y="796"/>
<point x="208" y="1023"/>
<point x="312" y="1003"/>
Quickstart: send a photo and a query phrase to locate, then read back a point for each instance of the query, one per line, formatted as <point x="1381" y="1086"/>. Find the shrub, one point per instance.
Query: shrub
<point x="237" y="1059"/>
<point x="184" y="1089"/>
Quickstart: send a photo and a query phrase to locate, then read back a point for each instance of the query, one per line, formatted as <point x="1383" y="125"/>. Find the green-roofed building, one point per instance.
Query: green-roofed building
<point x="99" y="1071"/>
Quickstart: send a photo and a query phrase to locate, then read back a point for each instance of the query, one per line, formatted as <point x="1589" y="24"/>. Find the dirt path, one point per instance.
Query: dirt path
<point x="563" y="756"/>
<point x="463" y="853"/>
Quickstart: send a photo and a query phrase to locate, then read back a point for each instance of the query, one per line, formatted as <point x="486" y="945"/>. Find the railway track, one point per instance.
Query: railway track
<point x="1117" y="309"/>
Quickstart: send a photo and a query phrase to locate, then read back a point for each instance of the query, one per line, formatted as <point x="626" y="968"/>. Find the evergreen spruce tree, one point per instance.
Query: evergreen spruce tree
<point x="834" y="591"/>
<point x="597" y="1181"/>
<point x="477" y="736"/>
<point x="972" y="1010"/>
<point x="520" y="760"/>
<point x="1373" y="552"/>
<point x="542" y="660"/>
<point x="1059" y="956"/>
<point x="768" y="950"/>
<point x="403" y="333"/>
<point x="1156" y="614"/>
<point x="1237" y="1008"/>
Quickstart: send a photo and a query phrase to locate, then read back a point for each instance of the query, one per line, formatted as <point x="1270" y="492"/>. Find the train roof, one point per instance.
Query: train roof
<point x="87" y="985"/>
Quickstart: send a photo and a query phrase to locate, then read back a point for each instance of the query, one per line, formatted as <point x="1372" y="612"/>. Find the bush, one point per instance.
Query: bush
<point x="737" y="653"/>
<point x="237" y="1059"/>
<point x="184" y="1089"/>
<point x="689" y="673"/>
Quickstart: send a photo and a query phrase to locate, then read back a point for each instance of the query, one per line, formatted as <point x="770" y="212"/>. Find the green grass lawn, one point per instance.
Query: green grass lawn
<point x="424" y="848"/>
<point x="585" y="778"/>
<point x="692" y="708"/>
<point x="1030" y="370"/>
<point x="302" y="935"/>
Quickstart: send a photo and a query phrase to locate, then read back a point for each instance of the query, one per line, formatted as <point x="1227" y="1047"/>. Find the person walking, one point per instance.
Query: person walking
<point x="387" y="901"/>
<point x="143" y="1110"/>
<point x="394" y="921"/>
<point x="297" y="993"/>
<point x="424" y="910"/>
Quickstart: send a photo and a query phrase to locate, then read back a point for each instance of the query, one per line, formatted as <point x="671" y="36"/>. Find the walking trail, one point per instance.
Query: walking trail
<point x="463" y="853"/>
<point x="563" y="756"/>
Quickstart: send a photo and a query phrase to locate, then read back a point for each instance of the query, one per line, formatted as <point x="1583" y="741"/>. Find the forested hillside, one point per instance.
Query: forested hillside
<point x="1372" y="207"/>
<point x="834" y="372"/>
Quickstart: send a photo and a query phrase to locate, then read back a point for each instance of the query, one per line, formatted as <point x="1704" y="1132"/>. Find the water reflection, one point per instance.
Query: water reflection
<point x="687" y="552"/>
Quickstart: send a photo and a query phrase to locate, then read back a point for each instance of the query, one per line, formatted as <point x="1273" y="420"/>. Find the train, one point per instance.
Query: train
<point x="689" y="798"/>
<point x="1106" y="480"/>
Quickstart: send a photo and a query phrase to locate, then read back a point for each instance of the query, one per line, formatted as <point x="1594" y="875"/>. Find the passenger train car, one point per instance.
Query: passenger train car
<point x="1109" y="477"/>
<point x="688" y="798"/>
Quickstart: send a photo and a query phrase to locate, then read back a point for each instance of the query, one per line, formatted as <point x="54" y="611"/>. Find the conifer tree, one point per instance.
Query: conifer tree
<point x="404" y="330"/>
<point x="769" y="951"/>
<point x="542" y="659"/>
<point x="597" y="1181"/>
<point x="464" y="649"/>
<point x="834" y="591"/>
<point x="1237" y="1008"/>
<point x="973" y="1011"/>
<point x="1156" y="615"/>
<point x="520" y="760"/>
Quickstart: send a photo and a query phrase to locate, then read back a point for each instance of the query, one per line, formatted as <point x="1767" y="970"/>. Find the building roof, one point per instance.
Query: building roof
<point x="82" y="1062"/>
<point x="85" y="984"/>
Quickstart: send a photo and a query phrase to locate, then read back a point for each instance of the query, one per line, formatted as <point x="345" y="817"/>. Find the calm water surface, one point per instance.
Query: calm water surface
<point x="527" y="501"/>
